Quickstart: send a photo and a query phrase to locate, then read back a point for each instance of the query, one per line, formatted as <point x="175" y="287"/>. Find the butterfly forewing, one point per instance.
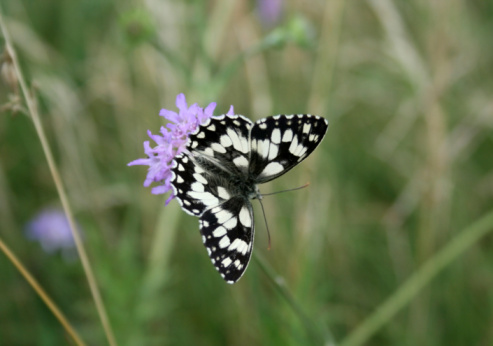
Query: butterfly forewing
<point x="280" y="142"/>
<point x="227" y="232"/>
<point x="224" y="140"/>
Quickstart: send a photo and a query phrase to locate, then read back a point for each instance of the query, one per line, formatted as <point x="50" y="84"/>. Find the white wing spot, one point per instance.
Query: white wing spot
<point x="201" y="135"/>
<point x="244" y="145"/>
<point x="195" y="144"/>
<point x="272" y="169"/>
<point x="218" y="147"/>
<point x="262" y="147"/>
<point x="294" y="145"/>
<point x="225" y="141"/>
<point x="197" y="187"/>
<point x="301" y="150"/>
<point x="224" y="242"/>
<point x="239" y="143"/>
<point x="212" y="128"/>
<point x="222" y="193"/>
<point x="223" y="216"/>
<point x="226" y="262"/>
<point x="243" y="247"/>
<point x="206" y="198"/>
<point x="245" y="218"/>
<point x="288" y="135"/>
<point x="240" y="162"/>
<point x="273" y="151"/>
<point x="238" y="245"/>
<point x="231" y="223"/>
<point x="179" y="179"/>
<point x="180" y="167"/>
<point x="219" y="232"/>
<point x="263" y="126"/>
<point x="209" y="152"/>
<point x="306" y="128"/>
<point x="200" y="178"/>
<point x="275" y="137"/>
<point x="237" y="263"/>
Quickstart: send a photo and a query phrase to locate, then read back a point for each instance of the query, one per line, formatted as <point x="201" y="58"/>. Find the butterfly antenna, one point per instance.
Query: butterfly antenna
<point x="265" y="219"/>
<point x="296" y="188"/>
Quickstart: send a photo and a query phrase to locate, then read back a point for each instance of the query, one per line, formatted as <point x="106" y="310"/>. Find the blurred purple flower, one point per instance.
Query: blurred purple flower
<point x="270" y="11"/>
<point x="171" y="142"/>
<point x="51" y="228"/>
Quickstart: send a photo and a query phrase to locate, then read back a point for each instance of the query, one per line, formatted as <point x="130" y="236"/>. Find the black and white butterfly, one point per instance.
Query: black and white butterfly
<point x="217" y="175"/>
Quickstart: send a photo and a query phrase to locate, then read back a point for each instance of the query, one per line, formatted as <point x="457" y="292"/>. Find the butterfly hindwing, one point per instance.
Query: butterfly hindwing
<point x="227" y="232"/>
<point x="280" y="142"/>
<point x="195" y="186"/>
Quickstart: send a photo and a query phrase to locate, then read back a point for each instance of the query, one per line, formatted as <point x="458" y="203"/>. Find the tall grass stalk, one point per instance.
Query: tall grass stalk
<point x="41" y="293"/>
<point x="313" y="329"/>
<point x="33" y="112"/>
<point x="410" y="288"/>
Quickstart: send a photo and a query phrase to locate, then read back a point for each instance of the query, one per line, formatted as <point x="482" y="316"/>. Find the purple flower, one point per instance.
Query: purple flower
<point x="270" y="11"/>
<point x="171" y="141"/>
<point x="51" y="228"/>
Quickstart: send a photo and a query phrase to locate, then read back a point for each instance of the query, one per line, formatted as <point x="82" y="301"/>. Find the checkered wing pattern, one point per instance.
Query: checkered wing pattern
<point x="280" y="142"/>
<point x="227" y="232"/>
<point x="205" y="181"/>
<point x="217" y="174"/>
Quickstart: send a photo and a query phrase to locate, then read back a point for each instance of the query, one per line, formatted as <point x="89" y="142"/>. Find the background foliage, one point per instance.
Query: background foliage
<point x="405" y="168"/>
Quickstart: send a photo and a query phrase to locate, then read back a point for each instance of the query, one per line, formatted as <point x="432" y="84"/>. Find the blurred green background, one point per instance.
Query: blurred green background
<point x="405" y="168"/>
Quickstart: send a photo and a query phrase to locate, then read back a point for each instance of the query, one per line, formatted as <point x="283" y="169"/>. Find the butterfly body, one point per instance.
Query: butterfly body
<point x="225" y="160"/>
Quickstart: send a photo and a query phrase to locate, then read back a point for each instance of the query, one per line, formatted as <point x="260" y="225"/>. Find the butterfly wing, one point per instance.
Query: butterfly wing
<point x="224" y="140"/>
<point x="194" y="187"/>
<point x="204" y="181"/>
<point x="216" y="151"/>
<point x="227" y="232"/>
<point x="280" y="142"/>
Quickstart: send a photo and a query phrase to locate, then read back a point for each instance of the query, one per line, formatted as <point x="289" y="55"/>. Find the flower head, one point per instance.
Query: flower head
<point x="51" y="228"/>
<point x="171" y="141"/>
<point x="270" y="11"/>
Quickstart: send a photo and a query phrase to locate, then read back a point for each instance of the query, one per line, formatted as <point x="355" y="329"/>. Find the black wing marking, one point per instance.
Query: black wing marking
<point x="195" y="186"/>
<point x="202" y="183"/>
<point x="228" y="149"/>
<point x="227" y="232"/>
<point x="225" y="141"/>
<point x="280" y="142"/>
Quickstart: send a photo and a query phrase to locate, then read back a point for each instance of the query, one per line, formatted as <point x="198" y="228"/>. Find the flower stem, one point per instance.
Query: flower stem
<point x="41" y="293"/>
<point x="409" y="289"/>
<point x="313" y="329"/>
<point x="33" y="111"/>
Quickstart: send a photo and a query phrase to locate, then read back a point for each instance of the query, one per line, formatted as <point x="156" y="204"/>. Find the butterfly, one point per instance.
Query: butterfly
<point x="217" y="174"/>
